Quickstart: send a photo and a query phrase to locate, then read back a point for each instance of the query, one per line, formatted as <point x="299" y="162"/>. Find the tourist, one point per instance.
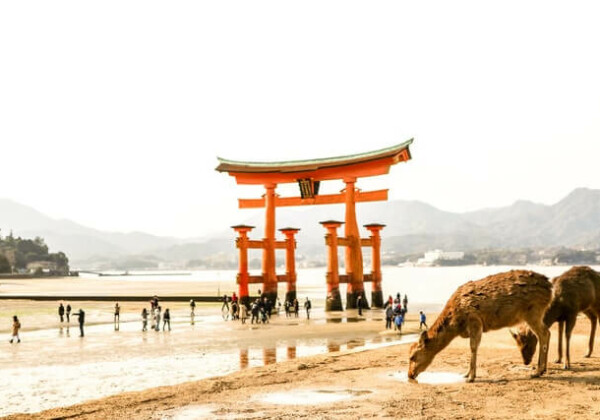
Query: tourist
<point x="243" y="313"/>
<point x="234" y="311"/>
<point x="117" y="315"/>
<point x="254" y="311"/>
<point x="422" y="320"/>
<point x="68" y="313"/>
<point x="278" y="305"/>
<point x="296" y="308"/>
<point x="389" y="314"/>
<point x="359" y="304"/>
<point x="405" y="303"/>
<point x="81" y="316"/>
<point x="390" y="302"/>
<point x="234" y="298"/>
<point x="307" y="306"/>
<point x="286" y="307"/>
<point x="268" y="307"/>
<point x="167" y="319"/>
<point x="61" y="312"/>
<point x="152" y="316"/>
<point x="144" y="319"/>
<point x="157" y="326"/>
<point x="398" y="321"/>
<point x="225" y="303"/>
<point x="16" y="326"/>
<point x="192" y="307"/>
<point x="398" y="298"/>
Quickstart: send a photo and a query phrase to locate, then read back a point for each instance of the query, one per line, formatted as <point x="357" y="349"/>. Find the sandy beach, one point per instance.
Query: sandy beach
<point x="358" y="383"/>
<point x="333" y="366"/>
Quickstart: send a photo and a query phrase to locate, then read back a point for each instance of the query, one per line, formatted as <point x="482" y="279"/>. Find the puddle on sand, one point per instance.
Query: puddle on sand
<point x="191" y="412"/>
<point x="432" y="378"/>
<point x="310" y="396"/>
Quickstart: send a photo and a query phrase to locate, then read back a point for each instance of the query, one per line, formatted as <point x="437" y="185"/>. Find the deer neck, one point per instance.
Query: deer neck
<point x="441" y="335"/>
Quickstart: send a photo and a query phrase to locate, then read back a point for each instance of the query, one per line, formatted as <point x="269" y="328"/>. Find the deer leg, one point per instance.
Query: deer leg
<point x="570" y="324"/>
<point x="561" y="328"/>
<point x="475" y="332"/>
<point x="543" y="335"/>
<point x="594" y="320"/>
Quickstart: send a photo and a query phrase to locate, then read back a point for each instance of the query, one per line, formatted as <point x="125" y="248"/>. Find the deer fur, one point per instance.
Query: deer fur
<point x="495" y="302"/>
<point x="576" y="290"/>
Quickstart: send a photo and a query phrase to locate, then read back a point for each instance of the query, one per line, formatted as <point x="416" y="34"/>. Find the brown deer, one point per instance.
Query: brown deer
<point x="495" y="302"/>
<point x="577" y="290"/>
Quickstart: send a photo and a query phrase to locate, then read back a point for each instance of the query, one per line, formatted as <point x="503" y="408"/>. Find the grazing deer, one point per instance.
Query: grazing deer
<point x="495" y="302"/>
<point x="577" y="290"/>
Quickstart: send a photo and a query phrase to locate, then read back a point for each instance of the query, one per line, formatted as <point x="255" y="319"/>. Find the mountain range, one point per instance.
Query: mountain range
<point x="411" y="227"/>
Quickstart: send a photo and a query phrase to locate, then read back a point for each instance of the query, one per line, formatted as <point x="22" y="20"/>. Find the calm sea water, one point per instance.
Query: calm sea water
<point x="426" y="287"/>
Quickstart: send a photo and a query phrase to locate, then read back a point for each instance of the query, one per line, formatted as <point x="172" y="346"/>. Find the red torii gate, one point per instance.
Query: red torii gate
<point x="308" y="174"/>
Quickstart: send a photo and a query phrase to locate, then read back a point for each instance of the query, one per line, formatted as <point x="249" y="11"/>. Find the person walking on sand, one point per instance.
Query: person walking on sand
<point x="389" y="314"/>
<point x="81" y="316"/>
<point x="192" y="308"/>
<point x="117" y="316"/>
<point x="405" y="303"/>
<point x="243" y="313"/>
<point x="307" y="306"/>
<point x="296" y="307"/>
<point x="61" y="312"/>
<point x="167" y="319"/>
<point x="68" y="313"/>
<point x="16" y="326"/>
<point x="144" y="319"/>
<point x="157" y="326"/>
<point x="422" y="320"/>
<point x="398" y="321"/>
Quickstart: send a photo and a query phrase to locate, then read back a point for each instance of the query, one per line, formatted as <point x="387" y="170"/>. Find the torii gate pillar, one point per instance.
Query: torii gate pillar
<point x="268" y="261"/>
<point x="376" y="292"/>
<point x="354" y="263"/>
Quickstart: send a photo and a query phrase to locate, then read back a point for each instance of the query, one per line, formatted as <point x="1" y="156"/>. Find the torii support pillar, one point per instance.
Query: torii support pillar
<point x="376" y="293"/>
<point x="354" y="263"/>
<point x="268" y="261"/>
<point x="334" y="300"/>
<point x="243" y="275"/>
<point x="290" y="262"/>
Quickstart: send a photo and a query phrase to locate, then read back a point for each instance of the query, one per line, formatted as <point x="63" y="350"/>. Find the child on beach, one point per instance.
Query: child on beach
<point x="422" y="319"/>
<point x="144" y="319"/>
<point x="243" y="313"/>
<point x="167" y="319"/>
<point x="16" y="326"/>
<point x="398" y="321"/>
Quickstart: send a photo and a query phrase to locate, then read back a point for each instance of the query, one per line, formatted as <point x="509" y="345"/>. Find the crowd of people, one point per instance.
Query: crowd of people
<point x="259" y="311"/>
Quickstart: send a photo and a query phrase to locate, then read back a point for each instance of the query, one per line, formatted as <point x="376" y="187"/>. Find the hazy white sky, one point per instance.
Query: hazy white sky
<point x="112" y="113"/>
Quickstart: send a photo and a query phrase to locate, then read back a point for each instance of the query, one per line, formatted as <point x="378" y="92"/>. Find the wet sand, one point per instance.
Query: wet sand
<point x="353" y="384"/>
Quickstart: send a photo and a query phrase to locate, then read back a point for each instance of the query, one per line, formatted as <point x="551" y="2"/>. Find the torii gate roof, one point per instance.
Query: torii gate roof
<point x="372" y="163"/>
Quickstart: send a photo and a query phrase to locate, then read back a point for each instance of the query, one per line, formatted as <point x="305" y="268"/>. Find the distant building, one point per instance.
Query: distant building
<point x="42" y="266"/>
<point x="431" y="257"/>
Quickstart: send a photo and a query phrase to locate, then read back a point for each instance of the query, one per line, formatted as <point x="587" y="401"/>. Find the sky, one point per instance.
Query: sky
<point x="113" y="113"/>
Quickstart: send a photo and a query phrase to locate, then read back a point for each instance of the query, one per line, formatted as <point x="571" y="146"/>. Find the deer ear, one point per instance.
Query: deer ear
<point x="514" y="335"/>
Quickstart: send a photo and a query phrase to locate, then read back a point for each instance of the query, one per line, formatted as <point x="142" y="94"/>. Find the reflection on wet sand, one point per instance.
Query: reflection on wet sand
<point x="291" y="352"/>
<point x="243" y="358"/>
<point x="269" y="356"/>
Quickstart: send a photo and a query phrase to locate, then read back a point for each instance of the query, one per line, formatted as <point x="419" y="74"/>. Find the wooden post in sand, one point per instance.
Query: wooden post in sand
<point x="376" y="292"/>
<point x="334" y="300"/>
<point x="290" y="262"/>
<point x="243" y="276"/>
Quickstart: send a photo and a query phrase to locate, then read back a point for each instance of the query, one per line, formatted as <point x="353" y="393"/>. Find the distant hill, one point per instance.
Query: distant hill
<point x="77" y="241"/>
<point x="411" y="227"/>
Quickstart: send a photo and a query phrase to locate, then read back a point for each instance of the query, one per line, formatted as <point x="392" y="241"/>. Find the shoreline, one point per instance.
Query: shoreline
<point x="503" y="388"/>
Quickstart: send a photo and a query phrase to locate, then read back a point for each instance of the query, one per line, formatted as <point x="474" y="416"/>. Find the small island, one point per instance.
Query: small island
<point x="30" y="257"/>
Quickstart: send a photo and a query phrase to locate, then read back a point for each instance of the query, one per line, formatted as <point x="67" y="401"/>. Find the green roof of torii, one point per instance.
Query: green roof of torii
<point x="226" y="165"/>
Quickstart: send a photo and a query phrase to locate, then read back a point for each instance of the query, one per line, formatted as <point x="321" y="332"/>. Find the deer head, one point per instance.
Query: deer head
<point x="527" y="342"/>
<point x="420" y="356"/>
